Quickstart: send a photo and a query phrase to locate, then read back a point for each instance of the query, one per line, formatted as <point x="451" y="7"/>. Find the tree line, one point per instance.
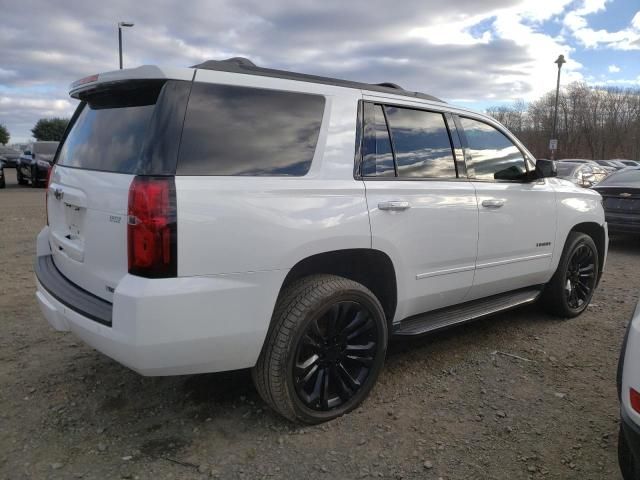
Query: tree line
<point x="593" y="122"/>
<point x="45" y="129"/>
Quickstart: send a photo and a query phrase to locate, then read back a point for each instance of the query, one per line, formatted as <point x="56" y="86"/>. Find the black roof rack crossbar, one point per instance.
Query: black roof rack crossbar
<point x="246" y="66"/>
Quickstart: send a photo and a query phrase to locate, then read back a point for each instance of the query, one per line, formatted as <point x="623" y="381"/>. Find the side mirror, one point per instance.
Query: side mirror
<point x="546" y="168"/>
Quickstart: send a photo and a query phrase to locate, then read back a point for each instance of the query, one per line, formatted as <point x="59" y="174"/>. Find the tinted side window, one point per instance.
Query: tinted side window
<point x="421" y="143"/>
<point x="377" y="153"/>
<point x="493" y="155"/>
<point x="232" y="130"/>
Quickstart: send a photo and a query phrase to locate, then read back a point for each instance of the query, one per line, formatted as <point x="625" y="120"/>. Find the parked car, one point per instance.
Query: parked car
<point x="35" y="162"/>
<point x="302" y="222"/>
<point x="628" y="381"/>
<point x="3" y="182"/>
<point x="9" y="155"/>
<point x="621" y="194"/>
<point x="610" y="165"/>
<point x="628" y="163"/>
<point x="584" y="174"/>
<point x="577" y="160"/>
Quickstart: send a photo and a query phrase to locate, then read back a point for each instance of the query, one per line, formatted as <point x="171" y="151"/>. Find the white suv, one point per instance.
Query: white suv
<point x="227" y="216"/>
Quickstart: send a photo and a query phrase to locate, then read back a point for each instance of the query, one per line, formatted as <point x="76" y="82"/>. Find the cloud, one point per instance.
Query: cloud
<point x="613" y="69"/>
<point x="484" y="51"/>
<point x="578" y="26"/>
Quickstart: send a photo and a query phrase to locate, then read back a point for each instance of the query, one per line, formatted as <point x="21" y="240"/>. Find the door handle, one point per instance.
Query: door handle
<point x="394" y="205"/>
<point x="493" y="203"/>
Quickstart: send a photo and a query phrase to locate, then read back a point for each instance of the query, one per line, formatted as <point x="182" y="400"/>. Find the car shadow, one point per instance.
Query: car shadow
<point x="624" y="243"/>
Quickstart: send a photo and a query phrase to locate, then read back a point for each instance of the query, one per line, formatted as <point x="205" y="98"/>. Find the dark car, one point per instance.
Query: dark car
<point x="621" y="198"/>
<point x="35" y="162"/>
<point x="3" y="183"/>
<point x="9" y="156"/>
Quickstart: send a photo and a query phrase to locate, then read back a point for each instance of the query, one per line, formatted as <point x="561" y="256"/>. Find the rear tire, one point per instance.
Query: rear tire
<point x="628" y="466"/>
<point x="571" y="288"/>
<point x="324" y="351"/>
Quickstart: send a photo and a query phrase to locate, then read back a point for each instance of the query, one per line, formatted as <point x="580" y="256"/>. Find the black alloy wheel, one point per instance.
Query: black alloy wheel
<point x="335" y="355"/>
<point x="324" y="350"/>
<point x="572" y="286"/>
<point x="580" y="277"/>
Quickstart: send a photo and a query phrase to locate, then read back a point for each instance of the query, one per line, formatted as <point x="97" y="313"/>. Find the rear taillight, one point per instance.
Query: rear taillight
<point x="152" y="227"/>
<point x="634" y="399"/>
<point x="46" y="192"/>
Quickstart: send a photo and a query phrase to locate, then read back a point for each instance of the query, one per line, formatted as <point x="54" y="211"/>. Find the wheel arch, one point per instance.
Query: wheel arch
<point x="372" y="268"/>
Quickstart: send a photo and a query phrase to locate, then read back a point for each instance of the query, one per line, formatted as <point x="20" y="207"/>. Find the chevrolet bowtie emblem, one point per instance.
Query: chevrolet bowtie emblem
<point x="58" y="193"/>
<point x="625" y="195"/>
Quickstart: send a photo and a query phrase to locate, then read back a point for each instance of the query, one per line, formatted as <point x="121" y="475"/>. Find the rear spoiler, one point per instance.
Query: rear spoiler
<point x="144" y="72"/>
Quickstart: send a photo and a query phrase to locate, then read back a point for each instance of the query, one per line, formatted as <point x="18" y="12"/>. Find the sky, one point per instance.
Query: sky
<point x="474" y="53"/>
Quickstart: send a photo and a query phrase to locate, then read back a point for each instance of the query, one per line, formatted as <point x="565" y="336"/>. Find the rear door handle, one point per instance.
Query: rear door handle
<point x="394" y="205"/>
<point x="493" y="203"/>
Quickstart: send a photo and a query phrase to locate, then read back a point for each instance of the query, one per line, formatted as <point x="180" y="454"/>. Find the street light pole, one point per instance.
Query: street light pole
<point x="120" y="25"/>
<point x="553" y="144"/>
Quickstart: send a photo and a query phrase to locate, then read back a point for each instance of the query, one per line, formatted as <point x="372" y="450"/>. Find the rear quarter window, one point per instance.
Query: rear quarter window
<point x="232" y="130"/>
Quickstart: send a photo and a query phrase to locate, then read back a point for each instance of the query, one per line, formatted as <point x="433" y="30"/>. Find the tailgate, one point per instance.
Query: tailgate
<point x="87" y="212"/>
<point x="119" y="131"/>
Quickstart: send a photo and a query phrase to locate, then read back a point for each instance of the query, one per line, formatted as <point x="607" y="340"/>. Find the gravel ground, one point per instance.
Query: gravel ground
<point x="519" y="395"/>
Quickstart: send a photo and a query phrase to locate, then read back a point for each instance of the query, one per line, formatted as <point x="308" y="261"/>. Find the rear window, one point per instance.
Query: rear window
<point x="110" y="128"/>
<point x="231" y="130"/>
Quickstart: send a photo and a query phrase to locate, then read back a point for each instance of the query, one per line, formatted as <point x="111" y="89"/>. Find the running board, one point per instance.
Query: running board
<point x="465" y="312"/>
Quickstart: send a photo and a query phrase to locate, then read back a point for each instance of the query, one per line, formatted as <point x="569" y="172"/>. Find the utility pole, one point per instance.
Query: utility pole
<point x="120" y="25"/>
<point x="553" y="143"/>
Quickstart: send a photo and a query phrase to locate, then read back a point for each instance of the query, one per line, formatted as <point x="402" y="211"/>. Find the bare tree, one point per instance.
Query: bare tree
<point x="593" y="122"/>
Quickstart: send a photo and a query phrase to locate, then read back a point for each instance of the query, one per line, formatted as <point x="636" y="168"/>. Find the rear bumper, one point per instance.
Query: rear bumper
<point x="175" y="326"/>
<point x="631" y="431"/>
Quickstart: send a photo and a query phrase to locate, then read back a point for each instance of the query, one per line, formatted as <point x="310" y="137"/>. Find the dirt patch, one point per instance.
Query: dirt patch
<point x="450" y="405"/>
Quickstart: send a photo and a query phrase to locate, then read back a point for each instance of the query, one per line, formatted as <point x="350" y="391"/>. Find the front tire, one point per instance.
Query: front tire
<point x="324" y="351"/>
<point x="21" y="180"/>
<point x="34" y="177"/>
<point x="571" y="288"/>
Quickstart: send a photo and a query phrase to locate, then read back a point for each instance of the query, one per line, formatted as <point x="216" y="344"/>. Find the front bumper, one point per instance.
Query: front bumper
<point x="171" y="326"/>
<point x="623" y="223"/>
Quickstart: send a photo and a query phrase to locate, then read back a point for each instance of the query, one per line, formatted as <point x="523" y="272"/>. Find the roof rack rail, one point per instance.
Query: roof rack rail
<point x="247" y="67"/>
<point x="239" y="61"/>
<point x="390" y="85"/>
